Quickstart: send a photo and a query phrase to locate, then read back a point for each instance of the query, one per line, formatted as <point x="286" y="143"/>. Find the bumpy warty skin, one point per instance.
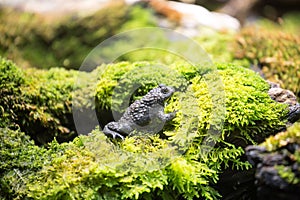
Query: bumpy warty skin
<point x="140" y="113"/>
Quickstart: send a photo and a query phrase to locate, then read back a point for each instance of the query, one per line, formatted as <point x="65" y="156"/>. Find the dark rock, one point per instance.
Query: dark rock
<point x="254" y="154"/>
<point x="287" y="97"/>
<point x="294" y="113"/>
<point x="273" y="159"/>
<point x="266" y="193"/>
<point x="270" y="185"/>
<point x="269" y="176"/>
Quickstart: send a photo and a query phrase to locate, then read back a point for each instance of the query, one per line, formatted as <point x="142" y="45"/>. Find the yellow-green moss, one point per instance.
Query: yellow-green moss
<point x="174" y="166"/>
<point x="91" y="167"/>
<point x="249" y="109"/>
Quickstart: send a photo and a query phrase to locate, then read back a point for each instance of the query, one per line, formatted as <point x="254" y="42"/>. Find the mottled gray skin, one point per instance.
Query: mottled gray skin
<point x="149" y="109"/>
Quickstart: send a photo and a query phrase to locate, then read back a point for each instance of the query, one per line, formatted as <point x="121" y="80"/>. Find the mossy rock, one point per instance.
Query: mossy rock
<point x="277" y="164"/>
<point x="42" y="41"/>
<point x="142" y="166"/>
<point x="248" y="106"/>
<point x="41" y="102"/>
<point x="275" y="50"/>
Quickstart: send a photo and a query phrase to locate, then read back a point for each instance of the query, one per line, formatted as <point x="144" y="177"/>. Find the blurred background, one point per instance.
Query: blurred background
<point x="44" y="34"/>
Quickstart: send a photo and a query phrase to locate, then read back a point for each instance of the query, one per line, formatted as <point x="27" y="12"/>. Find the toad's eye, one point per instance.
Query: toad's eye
<point x="164" y="90"/>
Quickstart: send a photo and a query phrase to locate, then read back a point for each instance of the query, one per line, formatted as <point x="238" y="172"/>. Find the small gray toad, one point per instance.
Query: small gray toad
<point x="145" y="114"/>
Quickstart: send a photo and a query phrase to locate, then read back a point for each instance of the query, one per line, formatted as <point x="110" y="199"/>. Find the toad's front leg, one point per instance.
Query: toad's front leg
<point x="166" y="116"/>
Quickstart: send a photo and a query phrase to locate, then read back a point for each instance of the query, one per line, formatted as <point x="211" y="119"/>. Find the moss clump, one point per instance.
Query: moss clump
<point x="186" y="164"/>
<point x="38" y="102"/>
<point x="120" y="81"/>
<point x="275" y="50"/>
<point x="249" y="109"/>
<point x="286" y="143"/>
<point x="91" y="167"/>
<point x="20" y="159"/>
<point x="46" y="41"/>
<point x="19" y="152"/>
<point x="11" y="78"/>
<point x="251" y="115"/>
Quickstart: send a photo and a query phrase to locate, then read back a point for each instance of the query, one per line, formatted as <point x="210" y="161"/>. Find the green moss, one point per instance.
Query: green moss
<point x="91" y="167"/>
<point x="11" y="78"/>
<point x="249" y="110"/>
<point x="17" y="151"/>
<point x="138" y="17"/>
<point x="20" y="156"/>
<point x="275" y="49"/>
<point x="38" y="102"/>
<point x="120" y="81"/>
<point x="217" y="44"/>
<point x="289" y="22"/>
<point x="184" y="164"/>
